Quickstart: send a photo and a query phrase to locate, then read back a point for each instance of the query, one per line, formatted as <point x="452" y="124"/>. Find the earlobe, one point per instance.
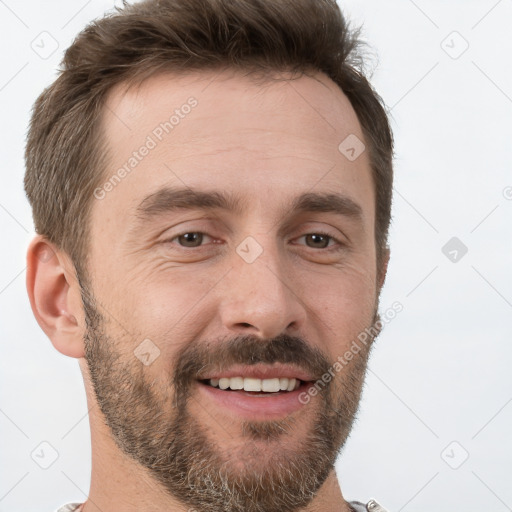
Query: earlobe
<point x="55" y="296"/>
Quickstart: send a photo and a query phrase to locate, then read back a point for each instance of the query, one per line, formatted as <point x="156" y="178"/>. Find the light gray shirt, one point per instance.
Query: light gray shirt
<point x="357" y="506"/>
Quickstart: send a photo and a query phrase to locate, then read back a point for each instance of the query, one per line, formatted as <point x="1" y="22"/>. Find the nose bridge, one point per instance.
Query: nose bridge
<point x="259" y="295"/>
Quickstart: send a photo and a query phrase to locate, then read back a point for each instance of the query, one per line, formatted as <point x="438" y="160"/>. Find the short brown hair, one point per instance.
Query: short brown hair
<point x="64" y="153"/>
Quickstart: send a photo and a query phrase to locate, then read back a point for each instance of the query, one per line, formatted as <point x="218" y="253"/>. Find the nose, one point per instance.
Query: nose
<point x="261" y="297"/>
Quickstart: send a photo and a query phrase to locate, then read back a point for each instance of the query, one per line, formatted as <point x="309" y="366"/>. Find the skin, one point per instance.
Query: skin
<point x="268" y="143"/>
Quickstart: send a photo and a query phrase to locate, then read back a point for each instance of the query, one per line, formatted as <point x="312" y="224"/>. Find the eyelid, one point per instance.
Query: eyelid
<point x="338" y="243"/>
<point x="204" y="233"/>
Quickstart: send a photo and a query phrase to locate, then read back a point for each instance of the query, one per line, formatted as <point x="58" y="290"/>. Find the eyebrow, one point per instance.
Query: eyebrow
<point x="168" y="199"/>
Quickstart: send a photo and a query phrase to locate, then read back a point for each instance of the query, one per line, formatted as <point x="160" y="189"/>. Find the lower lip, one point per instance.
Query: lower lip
<point x="263" y="407"/>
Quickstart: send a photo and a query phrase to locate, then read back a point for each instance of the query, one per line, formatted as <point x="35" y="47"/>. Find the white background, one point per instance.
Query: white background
<point x="439" y="386"/>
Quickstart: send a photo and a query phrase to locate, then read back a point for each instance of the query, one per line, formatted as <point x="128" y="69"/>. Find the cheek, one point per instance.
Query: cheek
<point x="357" y="289"/>
<point x="346" y="307"/>
<point x="351" y="282"/>
<point x="167" y="307"/>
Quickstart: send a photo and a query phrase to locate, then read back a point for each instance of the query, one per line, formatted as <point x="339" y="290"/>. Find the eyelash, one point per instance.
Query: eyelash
<point x="340" y="244"/>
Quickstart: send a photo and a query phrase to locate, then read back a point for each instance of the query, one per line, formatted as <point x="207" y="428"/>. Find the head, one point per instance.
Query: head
<point x="189" y="178"/>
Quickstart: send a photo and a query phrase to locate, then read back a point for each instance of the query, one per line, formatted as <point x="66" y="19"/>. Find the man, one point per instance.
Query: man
<point x="211" y="187"/>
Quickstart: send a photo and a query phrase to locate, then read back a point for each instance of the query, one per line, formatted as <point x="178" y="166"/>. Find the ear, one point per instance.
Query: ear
<point x="55" y="297"/>
<point x="382" y="271"/>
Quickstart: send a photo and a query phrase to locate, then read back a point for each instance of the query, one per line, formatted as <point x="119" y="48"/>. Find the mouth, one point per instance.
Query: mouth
<point x="254" y="386"/>
<point x="255" y="398"/>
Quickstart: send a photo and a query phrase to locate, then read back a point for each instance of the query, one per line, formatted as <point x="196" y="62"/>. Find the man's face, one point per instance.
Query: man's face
<point x="264" y="290"/>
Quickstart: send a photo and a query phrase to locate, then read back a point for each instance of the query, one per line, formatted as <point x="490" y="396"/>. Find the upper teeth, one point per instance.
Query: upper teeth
<point x="251" y="384"/>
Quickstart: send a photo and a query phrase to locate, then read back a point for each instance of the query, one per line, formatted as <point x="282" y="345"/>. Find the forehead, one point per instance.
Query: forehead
<point x="221" y="130"/>
<point x="233" y="101"/>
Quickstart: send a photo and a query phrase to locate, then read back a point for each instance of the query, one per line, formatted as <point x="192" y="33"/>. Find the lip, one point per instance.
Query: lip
<point x="261" y="371"/>
<point x="247" y="406"/>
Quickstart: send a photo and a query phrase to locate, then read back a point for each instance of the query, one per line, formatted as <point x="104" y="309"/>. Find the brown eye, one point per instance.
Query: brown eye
<point x="192" y="239"/>
<point x="319" y="240"/>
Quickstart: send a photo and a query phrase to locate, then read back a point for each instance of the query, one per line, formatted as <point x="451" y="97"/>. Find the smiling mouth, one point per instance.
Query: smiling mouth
<point x="272" y="397"/>
<point x="255" y="387"/>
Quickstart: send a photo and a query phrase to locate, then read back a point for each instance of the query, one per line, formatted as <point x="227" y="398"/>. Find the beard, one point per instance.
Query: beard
<point x="156" y="429"/>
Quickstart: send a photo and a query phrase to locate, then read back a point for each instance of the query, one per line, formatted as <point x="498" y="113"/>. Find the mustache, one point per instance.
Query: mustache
<point x="246" y="350"/>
